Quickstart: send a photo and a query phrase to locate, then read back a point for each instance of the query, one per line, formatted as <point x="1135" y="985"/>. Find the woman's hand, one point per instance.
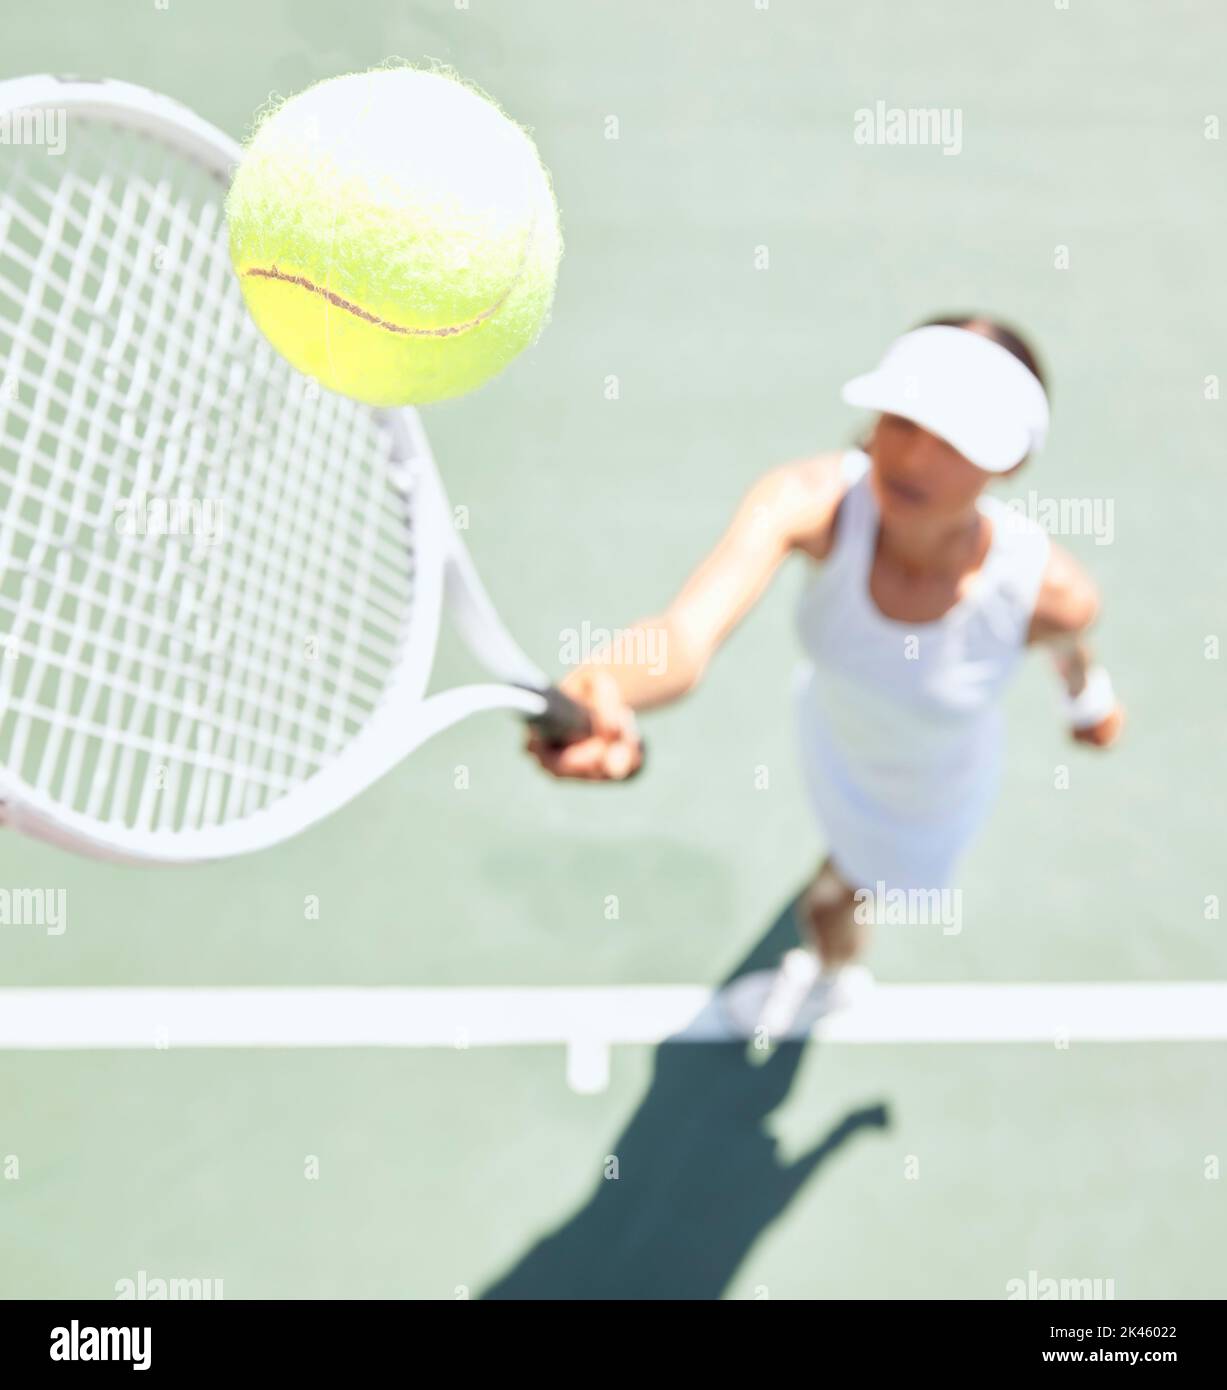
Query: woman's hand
<point x="1105" y="733"/>
<point x="613" y="751"/>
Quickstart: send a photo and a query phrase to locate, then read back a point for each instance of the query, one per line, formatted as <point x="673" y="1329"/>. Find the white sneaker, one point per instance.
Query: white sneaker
<point x="792" y="998"/>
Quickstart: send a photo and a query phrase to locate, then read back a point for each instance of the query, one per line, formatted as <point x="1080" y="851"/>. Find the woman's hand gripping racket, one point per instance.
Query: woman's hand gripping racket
<point x="220" y="587"/>
<point x="613" y="749"/>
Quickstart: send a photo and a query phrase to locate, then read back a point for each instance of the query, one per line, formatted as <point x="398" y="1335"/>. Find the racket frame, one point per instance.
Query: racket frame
<point x="444" y="575"/>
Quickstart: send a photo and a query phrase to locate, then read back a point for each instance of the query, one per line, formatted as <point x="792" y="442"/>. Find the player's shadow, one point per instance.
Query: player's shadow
<point x="699" y="1177"/>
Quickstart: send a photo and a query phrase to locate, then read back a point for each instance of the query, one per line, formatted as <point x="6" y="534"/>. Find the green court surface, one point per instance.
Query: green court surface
<point x="732" y="256"/>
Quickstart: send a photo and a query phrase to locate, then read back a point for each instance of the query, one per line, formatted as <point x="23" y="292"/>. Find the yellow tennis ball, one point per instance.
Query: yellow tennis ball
<point x="395" y="235"/>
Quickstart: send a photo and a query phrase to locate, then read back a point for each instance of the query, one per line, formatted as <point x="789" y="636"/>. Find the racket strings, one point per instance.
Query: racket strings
<point x="382" y="629"/>
<point x="215" y="392"/>
<point x="163" y="680"/>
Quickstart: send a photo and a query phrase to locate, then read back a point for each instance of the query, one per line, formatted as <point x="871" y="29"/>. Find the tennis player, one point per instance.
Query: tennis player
<point x="921" y="595"/>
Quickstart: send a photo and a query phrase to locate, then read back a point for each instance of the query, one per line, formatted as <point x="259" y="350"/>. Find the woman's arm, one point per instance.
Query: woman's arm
<point x="661" y="658"/>
<point x="1066" y="609"/>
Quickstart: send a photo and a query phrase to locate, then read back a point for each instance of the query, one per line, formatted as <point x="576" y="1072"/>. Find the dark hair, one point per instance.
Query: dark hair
<point x="999" y="333"/>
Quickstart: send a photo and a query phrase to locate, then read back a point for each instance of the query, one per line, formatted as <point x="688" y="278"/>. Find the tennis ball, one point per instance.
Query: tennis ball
<point x="395" y="235"/>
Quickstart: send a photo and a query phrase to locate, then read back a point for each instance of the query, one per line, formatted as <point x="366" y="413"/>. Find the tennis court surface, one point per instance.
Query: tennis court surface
<point x="431" y="1048"/>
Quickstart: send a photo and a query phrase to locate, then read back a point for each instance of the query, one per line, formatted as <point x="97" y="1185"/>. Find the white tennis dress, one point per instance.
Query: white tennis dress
<point x="901" y="726"/>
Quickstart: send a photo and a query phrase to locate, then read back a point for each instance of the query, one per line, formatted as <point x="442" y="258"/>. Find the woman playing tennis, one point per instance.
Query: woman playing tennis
<point x="922" y="593"/>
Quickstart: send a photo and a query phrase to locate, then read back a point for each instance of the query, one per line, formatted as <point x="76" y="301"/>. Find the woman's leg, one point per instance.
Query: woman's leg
<point x="767" y="1004"/>
<point x="830" y="922"/>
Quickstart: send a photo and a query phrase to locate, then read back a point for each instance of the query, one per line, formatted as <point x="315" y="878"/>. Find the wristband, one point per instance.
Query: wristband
<point x="1094" y="703"/>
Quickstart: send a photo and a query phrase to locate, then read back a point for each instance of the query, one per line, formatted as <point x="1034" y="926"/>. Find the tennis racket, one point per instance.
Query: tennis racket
<point x="220" y="585"/>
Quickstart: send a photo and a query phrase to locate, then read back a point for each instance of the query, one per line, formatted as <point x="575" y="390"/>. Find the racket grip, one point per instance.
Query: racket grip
<point x="563" y="720"/>
<point x="566" y="720"/>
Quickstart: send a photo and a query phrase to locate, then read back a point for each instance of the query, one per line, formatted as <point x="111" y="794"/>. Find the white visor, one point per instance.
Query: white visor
<point x="962" y="387"/>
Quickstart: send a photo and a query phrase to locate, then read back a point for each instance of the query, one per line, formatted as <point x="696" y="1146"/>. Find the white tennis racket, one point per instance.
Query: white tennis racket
<point x="220" y="586"/>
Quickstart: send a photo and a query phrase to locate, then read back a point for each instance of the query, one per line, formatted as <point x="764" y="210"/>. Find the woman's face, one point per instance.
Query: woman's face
<point x="917" y="476"/>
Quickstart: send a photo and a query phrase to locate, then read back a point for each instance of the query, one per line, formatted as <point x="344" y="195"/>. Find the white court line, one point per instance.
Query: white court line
<point x="377" y="1016"/>
<point x="588" y="1021"/>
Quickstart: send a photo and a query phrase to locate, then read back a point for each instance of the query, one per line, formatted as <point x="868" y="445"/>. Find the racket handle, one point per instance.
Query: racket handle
<point x="565" y="720"/>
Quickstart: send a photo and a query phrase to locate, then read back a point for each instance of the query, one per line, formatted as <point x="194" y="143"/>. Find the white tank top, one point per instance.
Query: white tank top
<point x="902" y="719"/>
